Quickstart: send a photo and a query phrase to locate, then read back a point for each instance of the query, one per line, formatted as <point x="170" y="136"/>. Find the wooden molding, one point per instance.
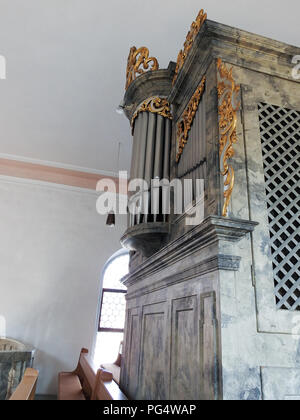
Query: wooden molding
<point x="19" y="169"/>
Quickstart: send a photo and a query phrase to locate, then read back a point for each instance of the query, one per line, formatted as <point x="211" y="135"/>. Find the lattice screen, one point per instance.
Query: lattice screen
<point x="280" y="138"/>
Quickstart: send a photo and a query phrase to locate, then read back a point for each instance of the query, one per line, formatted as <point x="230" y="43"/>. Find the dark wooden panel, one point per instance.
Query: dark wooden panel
<point x="153" y="383"/>
<point x="133" y="352"/>
<point x="185" y="349"/>
<point x="209" y="347"/>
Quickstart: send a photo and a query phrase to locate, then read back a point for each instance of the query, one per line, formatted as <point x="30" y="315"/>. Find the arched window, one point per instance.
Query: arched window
<point x="112" y="308"/>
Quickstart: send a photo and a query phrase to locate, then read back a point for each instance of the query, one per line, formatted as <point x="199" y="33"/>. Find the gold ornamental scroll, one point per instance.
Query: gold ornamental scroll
<point x="190" y="38"/>
<point x="156" y="105"/>
<point x="185" y="123"/>
<point x="138" y="63"/>
<point x="228" y="106"/>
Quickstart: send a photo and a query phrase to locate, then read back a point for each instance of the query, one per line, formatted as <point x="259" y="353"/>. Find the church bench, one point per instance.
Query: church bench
<point x="88" y="383"/>
<point x="115" y="367"/>
<point x="26" y="389"/>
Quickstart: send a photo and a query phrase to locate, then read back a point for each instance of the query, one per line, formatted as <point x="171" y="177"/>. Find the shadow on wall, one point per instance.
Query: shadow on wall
<point x="49" y="367"/>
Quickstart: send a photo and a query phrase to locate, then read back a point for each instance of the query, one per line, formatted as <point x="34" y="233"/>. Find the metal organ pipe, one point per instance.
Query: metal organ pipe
<point x="142" y="140"/>
<point x="135" y="161"/>
<point x="166" y="170"/>
<point x="151" y="139"/>
<point x="150" y="155"/>
<point x="135" y="148"/>
<point x="159" y="148"/>
<point x="198" y="149"/>
<point x="203" y="137"/>
<point x="143" y="145"/>
<point x="150" y="150"/>
<point x="192" y="163"/>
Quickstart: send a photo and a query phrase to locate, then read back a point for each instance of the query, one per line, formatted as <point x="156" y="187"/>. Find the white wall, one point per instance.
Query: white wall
<point x="66" y="67"/>
<point x="53" y="246"/>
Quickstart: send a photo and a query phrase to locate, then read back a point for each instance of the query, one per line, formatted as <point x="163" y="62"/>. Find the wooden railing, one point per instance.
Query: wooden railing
<point x="26" y="388"/>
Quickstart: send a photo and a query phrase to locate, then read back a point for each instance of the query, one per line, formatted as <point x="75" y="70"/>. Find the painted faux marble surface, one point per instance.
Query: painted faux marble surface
<point x="239" y="345"/>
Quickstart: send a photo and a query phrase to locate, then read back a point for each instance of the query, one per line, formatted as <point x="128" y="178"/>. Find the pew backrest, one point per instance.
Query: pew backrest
<point x="86" y="374"/>
<point x="95" y="384"/>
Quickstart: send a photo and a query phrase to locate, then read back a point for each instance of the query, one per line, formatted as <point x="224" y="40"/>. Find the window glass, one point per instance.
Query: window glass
<point x="117" y="269"/>
<point x="112" y="311"/>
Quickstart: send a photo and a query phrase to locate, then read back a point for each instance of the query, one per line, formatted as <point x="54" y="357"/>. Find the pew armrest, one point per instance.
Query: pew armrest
<point x="26" y="388"/>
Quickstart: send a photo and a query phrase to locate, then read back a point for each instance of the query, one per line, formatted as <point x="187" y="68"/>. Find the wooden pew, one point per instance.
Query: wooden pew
<point x="26" y="388"/>
<point x="115" y="367"/>
<point x="106" y="388"/>
<point x="88" y="383"/>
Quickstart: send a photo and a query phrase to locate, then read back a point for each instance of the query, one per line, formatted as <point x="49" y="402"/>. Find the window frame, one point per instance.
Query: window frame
<point x="104" y="290"/>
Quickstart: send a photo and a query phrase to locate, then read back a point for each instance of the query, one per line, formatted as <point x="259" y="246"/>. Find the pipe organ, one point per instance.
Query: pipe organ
<point x="213" y="304"/>
<point x="191" y="133"/>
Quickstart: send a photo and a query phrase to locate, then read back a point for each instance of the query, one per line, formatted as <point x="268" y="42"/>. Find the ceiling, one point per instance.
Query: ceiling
<point x="66" y="62"/>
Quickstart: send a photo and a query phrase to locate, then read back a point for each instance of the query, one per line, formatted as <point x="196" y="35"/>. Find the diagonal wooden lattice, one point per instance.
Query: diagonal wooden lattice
<point x="280" y="138"/>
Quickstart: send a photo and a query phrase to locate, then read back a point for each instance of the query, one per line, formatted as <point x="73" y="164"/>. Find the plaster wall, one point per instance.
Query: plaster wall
<point x="53" y="246"/>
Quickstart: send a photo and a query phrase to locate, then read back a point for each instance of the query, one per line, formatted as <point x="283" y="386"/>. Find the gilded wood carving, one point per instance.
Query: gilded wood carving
<point x="185" y="123"/>
<point x="138" y="63"/>
<point x="156" y="105"/>
<point x="195" y="28"/>
<point x="228" y="93"/>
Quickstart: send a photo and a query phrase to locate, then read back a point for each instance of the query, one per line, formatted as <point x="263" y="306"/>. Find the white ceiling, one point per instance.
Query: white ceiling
<point x="66" y="62"/>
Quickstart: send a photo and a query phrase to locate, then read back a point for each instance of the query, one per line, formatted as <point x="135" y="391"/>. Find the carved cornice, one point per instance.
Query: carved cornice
<point x="228" y="107"/>
<point x="148" y="85"/>
<point x="207" y="266"/>
<point x="138" y="63"/>
<point x="185" y="123"/>
<point x="213" y="231"/>
<point x="195" y="28"/>
<point x="156" y="105"/>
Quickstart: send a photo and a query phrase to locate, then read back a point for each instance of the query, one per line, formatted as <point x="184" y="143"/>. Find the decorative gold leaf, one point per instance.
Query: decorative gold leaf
<point x="185" y="123"/>
<point x="227" y="94"/>
<point x="137" y="63"/>
<point x="156" y="105"/>
<point x="190" y="38"/>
